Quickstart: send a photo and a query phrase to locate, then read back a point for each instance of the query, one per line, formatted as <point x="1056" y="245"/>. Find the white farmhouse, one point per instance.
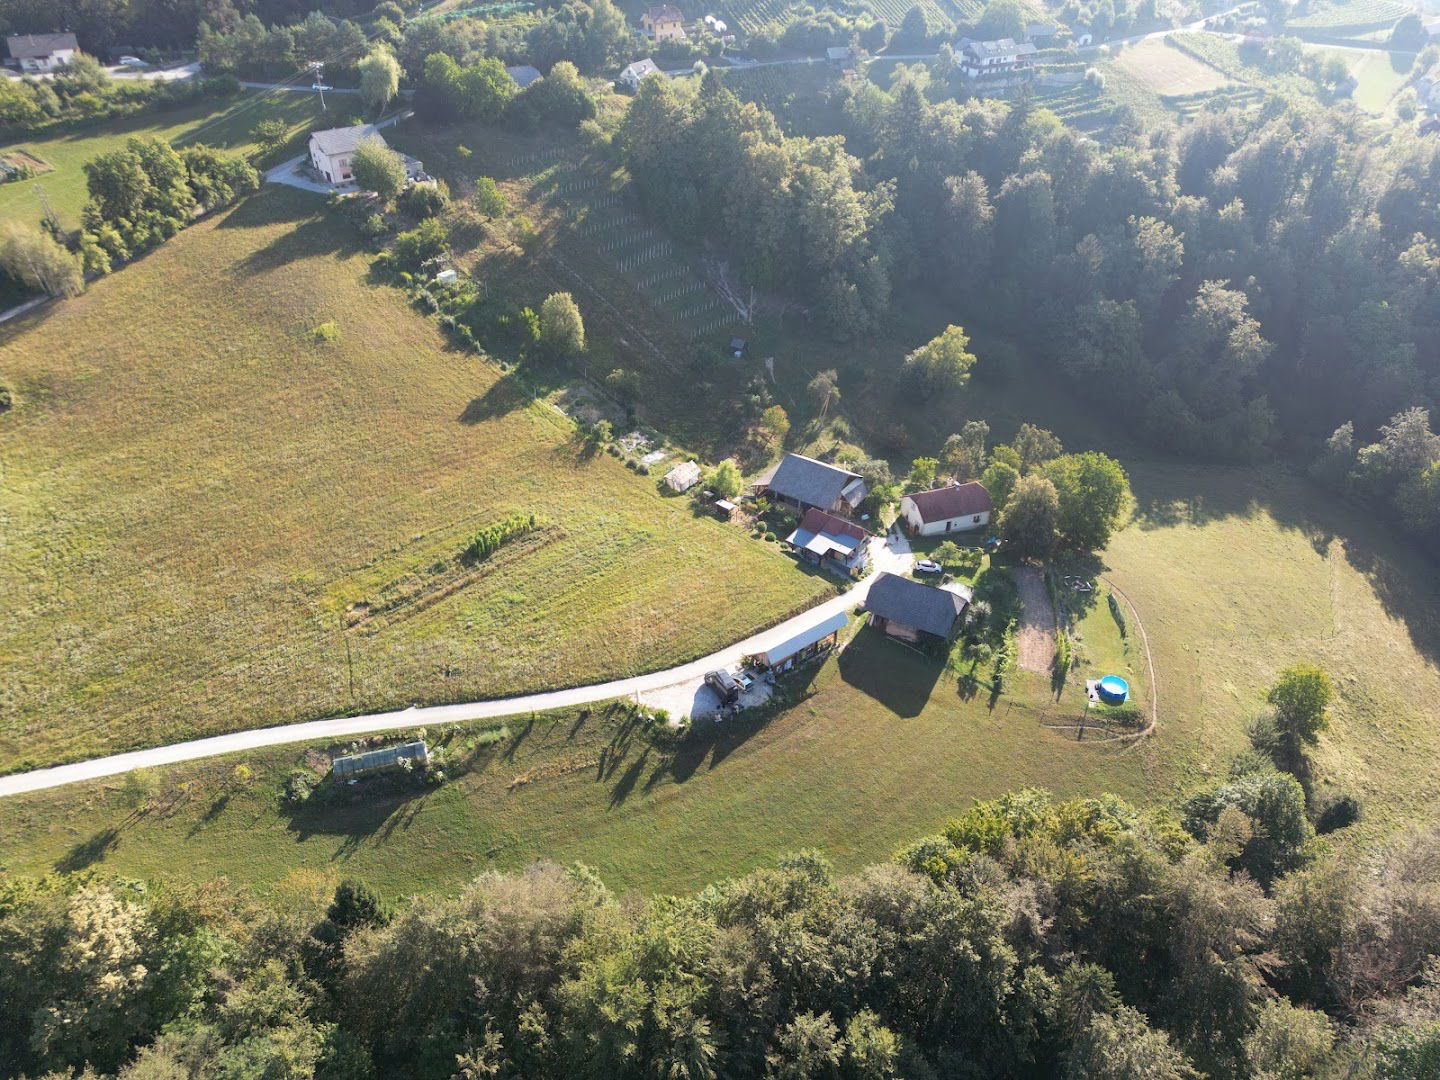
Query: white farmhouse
<point x="332" y="151"/>
<point x="1003" y="56"/>
<point x="638" y="72"/>
<point x="41" y="52"/>
<point x="953" y="508"/>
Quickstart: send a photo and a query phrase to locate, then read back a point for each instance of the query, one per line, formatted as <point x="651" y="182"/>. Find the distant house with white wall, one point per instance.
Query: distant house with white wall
<point x="636" y="73"/>
<point x="33" y="53"/>
<point x="333" y="150"/>
<point x="989" y="59"/>
<point x="1427" y="88"/>
<point x="949" y="509"/>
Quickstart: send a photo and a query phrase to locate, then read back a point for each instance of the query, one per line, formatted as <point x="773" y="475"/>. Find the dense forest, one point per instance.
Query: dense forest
<point x="1031" y="937"/>
<point x="1248" y="280"/>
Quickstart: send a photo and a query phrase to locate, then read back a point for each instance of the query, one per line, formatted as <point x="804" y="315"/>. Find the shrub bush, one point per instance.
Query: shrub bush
<point x="1117" y="612"/>
<point x="299" y="785"/>
<point x="487" y="541"/>
<point x="1338" y="812"/>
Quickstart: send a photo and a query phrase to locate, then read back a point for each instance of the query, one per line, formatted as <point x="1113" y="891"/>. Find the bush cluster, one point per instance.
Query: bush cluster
<point x="490" y="539"/>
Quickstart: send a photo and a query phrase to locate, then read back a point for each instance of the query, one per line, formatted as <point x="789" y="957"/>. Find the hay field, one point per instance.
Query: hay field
<point x="199" y="497"/>
<point x="1167" y="70"/>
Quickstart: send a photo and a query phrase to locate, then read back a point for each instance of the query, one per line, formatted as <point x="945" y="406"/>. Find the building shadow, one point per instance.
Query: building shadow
<point x="899" y="677"/>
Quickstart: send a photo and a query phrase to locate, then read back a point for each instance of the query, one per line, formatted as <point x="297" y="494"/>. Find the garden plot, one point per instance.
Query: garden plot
<point x="1167" y="70"/>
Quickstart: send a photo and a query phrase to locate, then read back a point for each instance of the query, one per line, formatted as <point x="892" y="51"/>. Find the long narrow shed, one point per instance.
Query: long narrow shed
<point x="805" y="644"/>
<point x="386" y="757"/>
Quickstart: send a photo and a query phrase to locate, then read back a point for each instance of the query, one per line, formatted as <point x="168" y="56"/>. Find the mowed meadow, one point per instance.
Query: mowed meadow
<point x="1236" y="574"/>
<point x="213" y="519"/>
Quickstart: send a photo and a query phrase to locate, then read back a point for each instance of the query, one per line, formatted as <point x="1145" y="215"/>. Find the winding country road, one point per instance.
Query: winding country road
<point x="893" y="556"/>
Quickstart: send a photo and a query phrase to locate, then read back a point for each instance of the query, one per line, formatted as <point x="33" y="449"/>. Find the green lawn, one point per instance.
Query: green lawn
<point x="213" y="521"/>
<point x="1378" y="74"/>
<point x="224" y="124"/>
<point x="1236" y="574"/>
<point x="1239" y="573"/>
<point x="881" y="749"/>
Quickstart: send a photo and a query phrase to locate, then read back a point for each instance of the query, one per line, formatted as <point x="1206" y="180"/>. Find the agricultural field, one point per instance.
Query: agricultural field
<point x="226" y="125"/>
<point x="1350" y="18"/>
<point x="1235" y="574"/>
<point x="1166" y="70"/>
<point x="755" y="15"/>
<point x="217" y="518"/>
<point x="1379" y="76"/>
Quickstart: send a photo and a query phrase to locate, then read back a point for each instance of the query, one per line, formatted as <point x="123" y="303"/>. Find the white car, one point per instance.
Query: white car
<point x="927" y="566"/>
<point x="132" y="61"/>
<point x="744" y="679"/>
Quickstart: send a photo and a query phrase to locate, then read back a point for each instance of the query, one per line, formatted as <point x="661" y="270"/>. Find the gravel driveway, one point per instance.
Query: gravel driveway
<point x="1037" y="621"/>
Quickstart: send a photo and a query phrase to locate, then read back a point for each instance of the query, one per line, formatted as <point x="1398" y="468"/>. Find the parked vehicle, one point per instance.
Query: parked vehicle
<point x="928" y="566"/>
<point x="132" y="61"/>
<point x="743" y="678"/>
<point x="724" y="684"/>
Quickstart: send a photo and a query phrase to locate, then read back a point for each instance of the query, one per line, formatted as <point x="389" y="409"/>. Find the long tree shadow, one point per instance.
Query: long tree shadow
<point x="1401" y="575"/>
<point x="89" y="851"/>
<point x="310" y="237"/>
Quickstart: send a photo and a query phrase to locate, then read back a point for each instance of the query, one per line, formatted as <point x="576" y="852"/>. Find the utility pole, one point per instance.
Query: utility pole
<point x="47" y="212"/>
<point x="318" y="67"/>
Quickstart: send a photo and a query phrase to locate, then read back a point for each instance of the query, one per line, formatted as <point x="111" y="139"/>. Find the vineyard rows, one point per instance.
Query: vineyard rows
<point x="1357" y="15"/>
<point x="754" y="15"/>
<point x="643" y="255"/>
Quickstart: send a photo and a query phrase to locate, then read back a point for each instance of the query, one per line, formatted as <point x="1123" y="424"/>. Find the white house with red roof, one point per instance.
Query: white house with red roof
<point x="949" y="509"/>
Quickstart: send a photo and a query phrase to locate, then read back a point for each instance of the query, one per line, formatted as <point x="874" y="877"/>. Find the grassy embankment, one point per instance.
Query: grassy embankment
<point x="215" y="520"/>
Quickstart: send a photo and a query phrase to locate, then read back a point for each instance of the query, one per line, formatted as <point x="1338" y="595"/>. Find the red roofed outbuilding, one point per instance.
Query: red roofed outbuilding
<point x="949" y="509"/>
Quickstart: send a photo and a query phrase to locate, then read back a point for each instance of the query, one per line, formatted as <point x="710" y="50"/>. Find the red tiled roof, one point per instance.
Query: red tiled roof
<point x="818" y="521"/>
<point x="952" y="501"/>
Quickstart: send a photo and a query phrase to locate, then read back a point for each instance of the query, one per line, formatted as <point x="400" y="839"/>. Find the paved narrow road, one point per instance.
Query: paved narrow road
<point x="894" y="556"/>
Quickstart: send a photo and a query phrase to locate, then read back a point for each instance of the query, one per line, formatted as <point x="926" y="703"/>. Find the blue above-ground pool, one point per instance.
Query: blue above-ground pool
<point x="1113" y="690"/>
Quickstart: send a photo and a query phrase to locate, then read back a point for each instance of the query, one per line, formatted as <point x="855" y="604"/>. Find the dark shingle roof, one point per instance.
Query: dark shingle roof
<point x="809" y="481"/>
<point x="37" y="46"/>
<point x="665" y="13"/>
<point x="912" y="603"/>
<point x="952" y="501"/>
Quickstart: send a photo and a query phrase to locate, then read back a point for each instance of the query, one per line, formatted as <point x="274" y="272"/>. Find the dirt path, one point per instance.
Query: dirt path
<point x="1037" y="621"/>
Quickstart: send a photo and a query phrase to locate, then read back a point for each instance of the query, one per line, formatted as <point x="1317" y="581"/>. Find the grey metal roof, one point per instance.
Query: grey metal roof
<point x="524" y="75"/>
<point x="345" y="140"/>
<point x="912" y="603"/>
<point x="356" y="764"/>
<point x="778" y="654"/>
<point x="811" y="482"/>
<point x="38" y="46"/>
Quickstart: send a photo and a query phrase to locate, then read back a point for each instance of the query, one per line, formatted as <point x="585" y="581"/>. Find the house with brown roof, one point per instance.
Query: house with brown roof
<point x="663" y="23"/>
<point x="831" y="542"/>
<point x="41" y="52"/>
<point x="948" y="509"/>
